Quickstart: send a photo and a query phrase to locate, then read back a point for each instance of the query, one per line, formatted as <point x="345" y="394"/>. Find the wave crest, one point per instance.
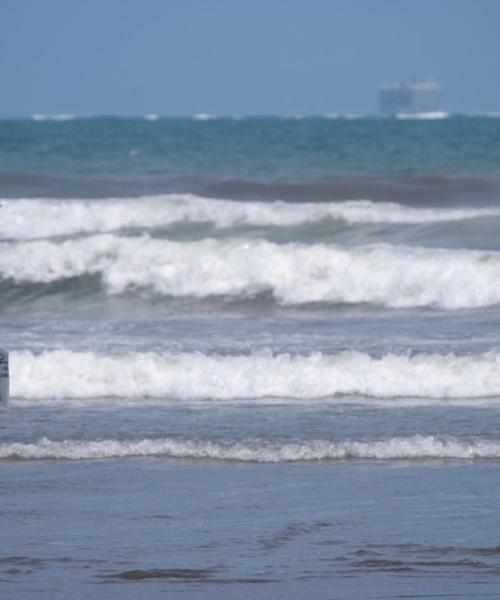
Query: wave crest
<point x="65" y="374"/>
<point x="41" y="218"/>
<point x="383" y="275"/>
<point x="259" y="451"/>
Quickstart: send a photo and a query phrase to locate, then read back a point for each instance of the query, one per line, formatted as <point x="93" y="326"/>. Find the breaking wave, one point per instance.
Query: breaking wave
<point x="382" y="275"/>
<point x="257" y="450"/>
<point x="41" y="218"/>
<point x="423" y="116"/>
<point x="64" y="374"/>
<point x="54" y="117"/>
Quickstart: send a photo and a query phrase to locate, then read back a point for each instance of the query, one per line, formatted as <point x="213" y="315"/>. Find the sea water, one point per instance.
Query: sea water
<point x="252" y="357"/>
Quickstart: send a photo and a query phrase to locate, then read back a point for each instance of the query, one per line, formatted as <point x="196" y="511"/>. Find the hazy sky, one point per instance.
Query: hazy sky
<point x="242" y="56"/>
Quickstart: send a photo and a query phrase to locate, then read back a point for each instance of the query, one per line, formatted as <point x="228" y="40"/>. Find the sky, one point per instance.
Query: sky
<point x="238" y="57"/>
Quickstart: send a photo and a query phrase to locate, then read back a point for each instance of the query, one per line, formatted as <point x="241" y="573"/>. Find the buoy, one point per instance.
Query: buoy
<point x="4" y="376"/>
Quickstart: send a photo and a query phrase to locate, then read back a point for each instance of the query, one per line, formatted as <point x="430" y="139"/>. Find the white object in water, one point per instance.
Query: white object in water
<point x="4" y="376"/>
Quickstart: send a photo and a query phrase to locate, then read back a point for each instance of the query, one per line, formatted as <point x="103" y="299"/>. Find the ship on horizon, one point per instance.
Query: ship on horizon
<point x="411" y="99"/>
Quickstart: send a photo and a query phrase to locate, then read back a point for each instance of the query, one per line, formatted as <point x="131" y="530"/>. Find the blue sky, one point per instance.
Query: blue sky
<point x="182" y="57"/>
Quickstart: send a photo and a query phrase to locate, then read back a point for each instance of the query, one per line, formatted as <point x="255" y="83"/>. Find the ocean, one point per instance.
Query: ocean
<point x="250" y="357"/>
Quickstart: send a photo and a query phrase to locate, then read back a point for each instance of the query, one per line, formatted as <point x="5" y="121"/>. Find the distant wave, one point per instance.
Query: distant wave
<point x="423" y="116"/>
<point x="259" y="451"/>
<point x="204" y="117"/>
<point x="41" y="218"/>
<point x="53" y="117"/>
<point x="347" y="116"/>
<point x="383" y="275"/>
<point x="56" y="375"/>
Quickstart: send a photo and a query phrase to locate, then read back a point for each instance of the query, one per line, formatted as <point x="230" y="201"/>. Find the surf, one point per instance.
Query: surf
<point x="345" y="376"/>
<point x="24" y="219"/>
<point x="385" y="275"/>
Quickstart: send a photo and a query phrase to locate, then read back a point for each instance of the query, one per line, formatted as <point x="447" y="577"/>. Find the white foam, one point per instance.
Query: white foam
<point x="54" y="117"/>
<point x="260" y="451"/>
<point x="203" y="117"/>
<point x="347" y="116"/>
<point x="423" y="116"/>
<point x="384" y="275"/>
<point x="39" y="218"/>
<point x="151" y="117"/>
<point x="65" y="374"/>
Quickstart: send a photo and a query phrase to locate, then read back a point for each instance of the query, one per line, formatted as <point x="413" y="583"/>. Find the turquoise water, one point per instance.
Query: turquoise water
<point x="250" y="357"/>
<point x="254" y="157"/>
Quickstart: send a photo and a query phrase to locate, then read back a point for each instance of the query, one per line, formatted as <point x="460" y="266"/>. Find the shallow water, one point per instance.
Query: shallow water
<point x="363" y="530"/>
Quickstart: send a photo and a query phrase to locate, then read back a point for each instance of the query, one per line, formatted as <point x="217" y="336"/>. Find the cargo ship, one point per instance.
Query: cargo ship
<point x="411" y="99"/>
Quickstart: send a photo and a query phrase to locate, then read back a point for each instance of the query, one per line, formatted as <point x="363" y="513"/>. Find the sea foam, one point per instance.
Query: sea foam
<point x="63" y="374"/>
<point x="257" y="450"/>
<point x="53" y="117"/>
<point x="423" y="116"/>
<point x="41" y="218"/>
<point x="382" y="274"/>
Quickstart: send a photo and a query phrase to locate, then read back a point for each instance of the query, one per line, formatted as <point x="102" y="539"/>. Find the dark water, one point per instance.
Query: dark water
<point x="250" y="357"/>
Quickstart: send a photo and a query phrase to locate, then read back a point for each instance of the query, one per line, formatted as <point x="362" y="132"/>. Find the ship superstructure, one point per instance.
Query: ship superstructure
<point x="412" y="97"/>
